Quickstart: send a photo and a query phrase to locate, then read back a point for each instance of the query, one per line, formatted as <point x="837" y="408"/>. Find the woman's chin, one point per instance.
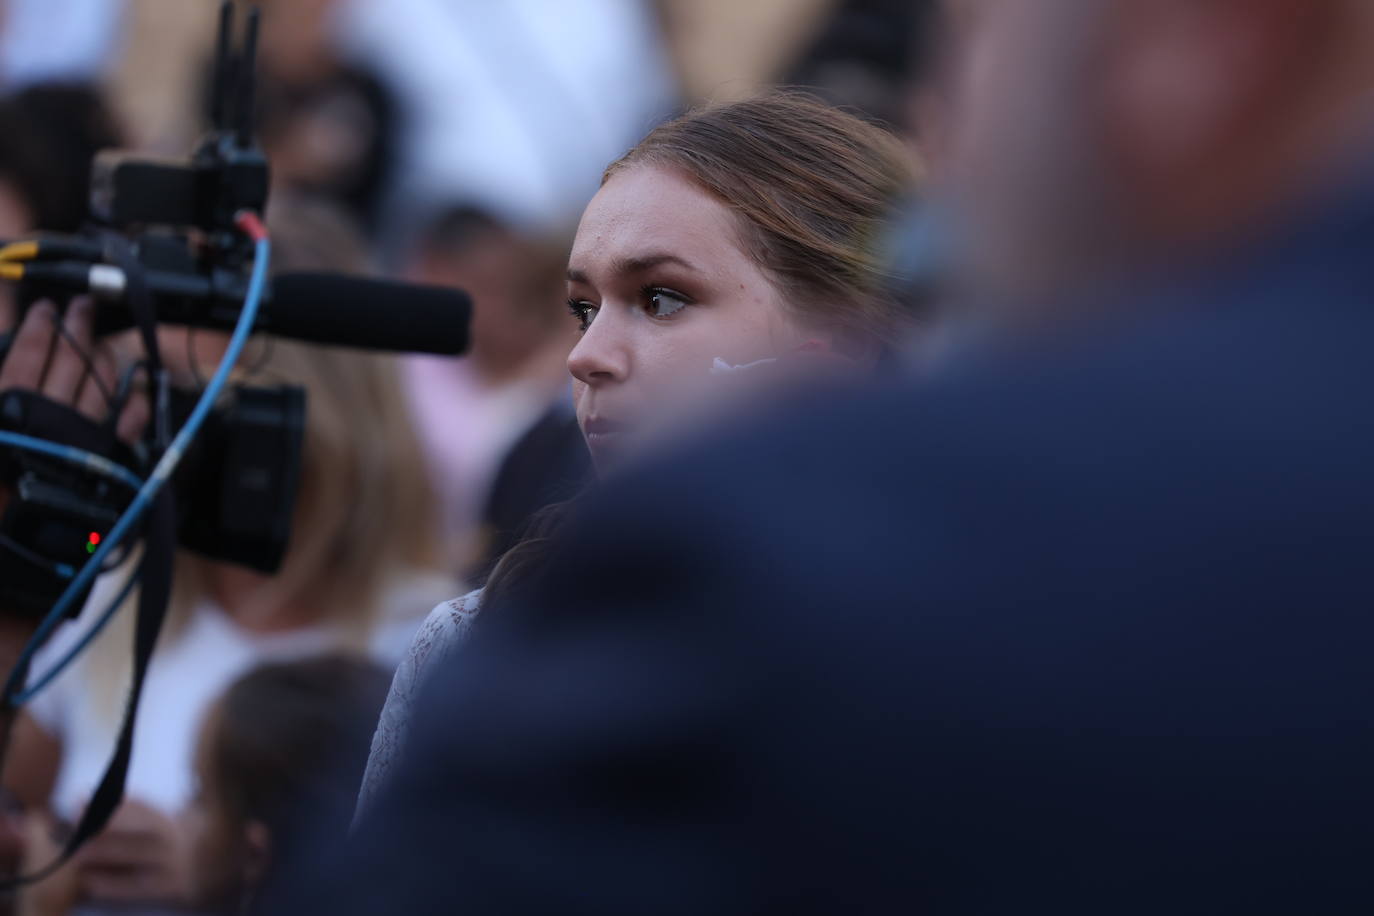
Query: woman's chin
<point x="608" y="450"/>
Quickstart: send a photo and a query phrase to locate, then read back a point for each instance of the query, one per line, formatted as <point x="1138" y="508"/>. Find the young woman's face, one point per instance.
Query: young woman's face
<point x="662" y="288"/>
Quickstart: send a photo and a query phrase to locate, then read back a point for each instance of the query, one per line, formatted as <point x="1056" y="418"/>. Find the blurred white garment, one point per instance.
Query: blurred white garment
<point x="57" y="40"/>
<point x="186" y="676"/>
<point x="518" y="105"/>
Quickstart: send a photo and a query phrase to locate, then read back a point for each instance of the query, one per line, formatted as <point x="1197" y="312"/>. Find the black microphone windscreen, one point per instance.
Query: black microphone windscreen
<point x="355" y="311"/>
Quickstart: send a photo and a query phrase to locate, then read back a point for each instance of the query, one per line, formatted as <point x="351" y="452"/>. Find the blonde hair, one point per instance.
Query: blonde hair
<point x="364" y="512"/>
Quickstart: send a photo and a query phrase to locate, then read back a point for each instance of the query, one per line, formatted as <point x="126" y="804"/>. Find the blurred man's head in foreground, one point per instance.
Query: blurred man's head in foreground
<point x="1095" y="138"/>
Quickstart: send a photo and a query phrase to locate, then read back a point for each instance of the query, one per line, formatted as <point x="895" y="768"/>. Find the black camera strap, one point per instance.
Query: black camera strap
<point x="155" y="567"/>
<point x="141" y="305"/>
<point x="155" y="592"/>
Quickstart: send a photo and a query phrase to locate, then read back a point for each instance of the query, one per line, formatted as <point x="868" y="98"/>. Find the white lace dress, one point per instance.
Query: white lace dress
<point x="443" y="631"/>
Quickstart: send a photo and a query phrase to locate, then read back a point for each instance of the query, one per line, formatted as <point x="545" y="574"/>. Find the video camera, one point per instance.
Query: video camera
<point x="167" y="248"/>
<point x="174" y="242"/>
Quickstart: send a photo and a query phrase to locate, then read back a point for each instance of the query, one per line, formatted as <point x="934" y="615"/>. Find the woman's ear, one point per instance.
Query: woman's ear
<point x="841" y="347"/>
<point x="257" y="847"/>
<point x="816" y="338"/>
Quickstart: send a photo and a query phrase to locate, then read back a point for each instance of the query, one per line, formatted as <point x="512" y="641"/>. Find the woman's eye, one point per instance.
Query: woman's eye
<point x="583" y="311"/>
<point x="664" y="303"/>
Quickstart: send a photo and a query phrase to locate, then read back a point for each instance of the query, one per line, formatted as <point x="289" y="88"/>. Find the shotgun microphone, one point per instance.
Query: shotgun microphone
<point x="324" y="308"/>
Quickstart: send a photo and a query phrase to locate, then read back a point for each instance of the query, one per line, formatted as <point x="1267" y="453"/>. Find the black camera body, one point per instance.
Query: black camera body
<point x="55" y="509"/>
<point x="177" y="242"/>
<point x="235" y="489"/>
<point x="205" y="191"/>
<point x="236" y="486"/>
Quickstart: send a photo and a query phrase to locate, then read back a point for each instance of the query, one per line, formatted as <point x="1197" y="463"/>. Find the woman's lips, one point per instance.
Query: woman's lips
<point x="603" y="434"/>
<point x="602" y="426"/>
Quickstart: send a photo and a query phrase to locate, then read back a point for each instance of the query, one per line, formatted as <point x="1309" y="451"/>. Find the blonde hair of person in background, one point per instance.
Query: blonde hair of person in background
<point x="364" y="514"/>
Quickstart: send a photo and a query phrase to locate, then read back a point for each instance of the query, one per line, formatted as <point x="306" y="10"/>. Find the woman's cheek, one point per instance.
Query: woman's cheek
<point x="677" y="385"/>
<point x="675" y="371"/>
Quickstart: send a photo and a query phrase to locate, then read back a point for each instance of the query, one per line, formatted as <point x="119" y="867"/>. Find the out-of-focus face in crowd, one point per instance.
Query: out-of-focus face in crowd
<point x="1097" y="137"/>
<point x="1016" y="153"/>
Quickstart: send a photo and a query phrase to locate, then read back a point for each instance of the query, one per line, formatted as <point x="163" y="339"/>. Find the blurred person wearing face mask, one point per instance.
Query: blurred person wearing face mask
<point x="1080" y="627"/>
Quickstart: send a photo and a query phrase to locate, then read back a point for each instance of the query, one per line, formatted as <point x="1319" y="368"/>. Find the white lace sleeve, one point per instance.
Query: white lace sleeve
<point x="443" y="631"/>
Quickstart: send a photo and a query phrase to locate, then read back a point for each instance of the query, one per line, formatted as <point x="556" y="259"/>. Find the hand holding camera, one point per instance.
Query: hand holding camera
<point x="56" y="356"/>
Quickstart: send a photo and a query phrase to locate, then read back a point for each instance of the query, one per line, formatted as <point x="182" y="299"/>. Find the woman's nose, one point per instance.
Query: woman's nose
<point x="602" y="355"/>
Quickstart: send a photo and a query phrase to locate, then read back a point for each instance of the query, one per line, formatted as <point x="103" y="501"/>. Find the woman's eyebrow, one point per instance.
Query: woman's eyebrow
<point x="635" y="265"/>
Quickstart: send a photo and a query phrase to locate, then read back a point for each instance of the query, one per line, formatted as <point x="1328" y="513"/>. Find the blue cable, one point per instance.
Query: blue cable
<point x="81" y="644"/>
<point x="79" y="457"/>
<point x="257" y="283"/>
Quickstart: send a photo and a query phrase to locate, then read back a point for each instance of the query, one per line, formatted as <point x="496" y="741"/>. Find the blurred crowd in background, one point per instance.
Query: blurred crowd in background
<point x="446" y="141"/>
<point x="1073" y="607"/>
<point x="451" y="142"/>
